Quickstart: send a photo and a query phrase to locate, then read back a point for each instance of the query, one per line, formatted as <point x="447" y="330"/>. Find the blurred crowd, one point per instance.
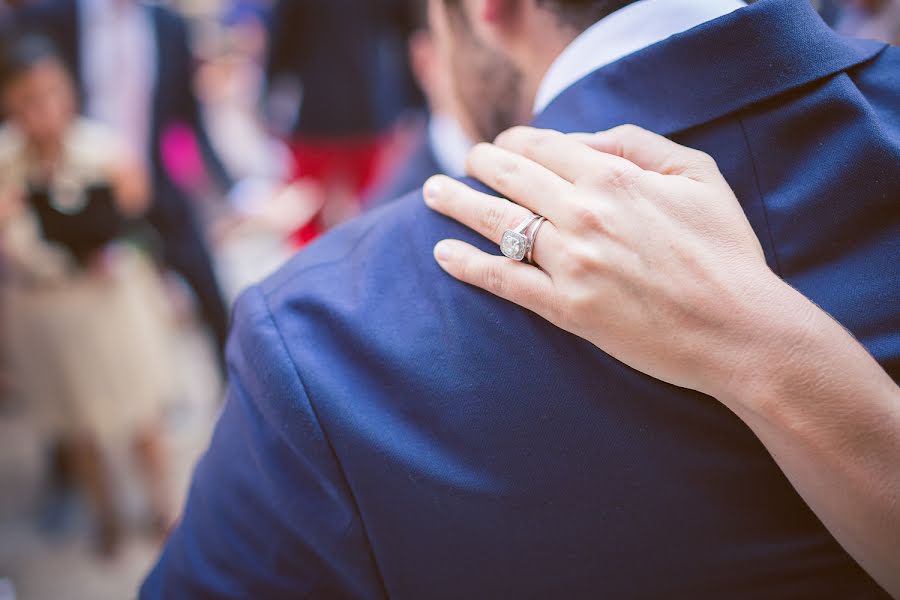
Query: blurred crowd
<point x="155" y="159"/>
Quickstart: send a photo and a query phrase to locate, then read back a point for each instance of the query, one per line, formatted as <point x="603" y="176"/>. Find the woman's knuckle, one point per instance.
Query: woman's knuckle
<point x="531" y="140"/>
<point x="576" y="264"/>
<point x="585" y="261"/>
<point x="609" y="175"/>
<point x="476" y="157"/>
<point x="512" y="135"/>
<point x="703" y="157"/>
<point x="506" y="174"/>
<point x="492" y="219"/>
<point x="702" y="160"/>
<point x="493" y="279"/>
<point x="579" y="301"/>
<point x="620" y="175"/>
<point x="592" y="219"/>
<point x="628" y="129"/>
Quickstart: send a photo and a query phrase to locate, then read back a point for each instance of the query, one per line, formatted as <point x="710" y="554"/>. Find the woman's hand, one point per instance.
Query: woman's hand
<point x="646" y="252"/>
<point x="648" y="255"/>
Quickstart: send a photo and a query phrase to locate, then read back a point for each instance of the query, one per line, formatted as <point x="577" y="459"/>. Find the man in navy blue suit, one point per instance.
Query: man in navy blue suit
<point x="148" y="70"/>
<point x="390" y="432"/>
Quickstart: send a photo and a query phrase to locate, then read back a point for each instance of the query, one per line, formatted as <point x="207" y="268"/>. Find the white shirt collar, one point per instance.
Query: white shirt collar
<point x="449" y="144"/>
<point x="624" y="32"/>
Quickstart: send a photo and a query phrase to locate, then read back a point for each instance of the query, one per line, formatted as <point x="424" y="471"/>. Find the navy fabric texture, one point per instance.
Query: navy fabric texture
<point x="390" y="432"/>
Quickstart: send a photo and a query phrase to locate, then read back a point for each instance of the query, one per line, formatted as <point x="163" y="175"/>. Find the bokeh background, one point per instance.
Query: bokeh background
<point x="258" y="125"/>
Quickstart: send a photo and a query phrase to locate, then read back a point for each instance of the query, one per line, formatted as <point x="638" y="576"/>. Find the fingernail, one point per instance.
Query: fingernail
<point x="432" y="188"/>
<point x="443" y="252"/>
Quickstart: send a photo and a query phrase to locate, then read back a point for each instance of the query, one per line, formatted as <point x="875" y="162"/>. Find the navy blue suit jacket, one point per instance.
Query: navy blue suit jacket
<point x="391" y="432"/>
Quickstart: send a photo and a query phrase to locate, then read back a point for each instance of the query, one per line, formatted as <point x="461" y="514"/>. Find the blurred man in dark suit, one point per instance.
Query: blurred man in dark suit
<point x="134" y="72"/>
<point x="870" y="19"/>
<point x="346" y="60"/>
<point x="440" y="145"/>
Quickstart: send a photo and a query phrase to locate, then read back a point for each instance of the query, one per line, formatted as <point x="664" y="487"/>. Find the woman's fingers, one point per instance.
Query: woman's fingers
<point x="521" y="180"/>
<point x="651" y="152"/>
<point x="519" y="283"/>
<point x="488" y="215"/>
<point x="567" y="157"/>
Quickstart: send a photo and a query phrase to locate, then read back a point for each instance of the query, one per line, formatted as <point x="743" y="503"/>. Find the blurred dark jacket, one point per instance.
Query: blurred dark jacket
<point x="350" y="56"/>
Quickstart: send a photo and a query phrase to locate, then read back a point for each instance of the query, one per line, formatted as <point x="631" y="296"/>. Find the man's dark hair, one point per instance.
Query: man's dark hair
<point x="418" y="14"/>
<point x="21" y="54"/>
<point x="581" y="14"/>
<point x="578" y="14"/>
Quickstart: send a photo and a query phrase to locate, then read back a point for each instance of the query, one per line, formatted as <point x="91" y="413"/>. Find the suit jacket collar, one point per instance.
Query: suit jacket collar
<point x="710" y="71"/>
<point x="627" y="30"/>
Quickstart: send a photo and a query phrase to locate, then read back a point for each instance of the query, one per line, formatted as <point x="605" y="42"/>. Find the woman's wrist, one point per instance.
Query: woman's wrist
<point x="772" y="339"/>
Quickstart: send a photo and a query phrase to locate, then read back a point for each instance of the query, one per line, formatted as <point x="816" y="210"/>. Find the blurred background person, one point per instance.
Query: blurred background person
<point x="338" y="81"/>
<point x="230" y="83"/>
<point x="84" y="324"/>
<point x="440" y="144"/>
<point x="869" y="19"/>
<point x="265" y="206"/>
<point x="134" y="71"/>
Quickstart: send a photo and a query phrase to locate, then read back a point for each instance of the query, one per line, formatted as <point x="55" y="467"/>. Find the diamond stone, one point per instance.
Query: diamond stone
<point x="513" y="245"/>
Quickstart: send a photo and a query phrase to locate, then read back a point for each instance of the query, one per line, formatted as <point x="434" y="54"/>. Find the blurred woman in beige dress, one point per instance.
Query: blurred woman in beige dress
<point x="84" y="328"/>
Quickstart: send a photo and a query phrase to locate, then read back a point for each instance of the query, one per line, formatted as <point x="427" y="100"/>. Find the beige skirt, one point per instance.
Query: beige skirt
<point x="89" y="354"/>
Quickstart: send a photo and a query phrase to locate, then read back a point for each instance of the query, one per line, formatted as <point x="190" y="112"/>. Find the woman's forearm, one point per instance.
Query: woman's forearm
<point x="830" y="416"/>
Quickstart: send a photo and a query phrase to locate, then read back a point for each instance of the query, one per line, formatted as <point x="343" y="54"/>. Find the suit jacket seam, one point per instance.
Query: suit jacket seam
<point x="761" y="196"/>
<point x="327" y="439"/>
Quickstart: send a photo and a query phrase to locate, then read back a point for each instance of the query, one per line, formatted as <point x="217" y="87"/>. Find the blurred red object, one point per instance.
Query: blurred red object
<point x="348" y="167"/>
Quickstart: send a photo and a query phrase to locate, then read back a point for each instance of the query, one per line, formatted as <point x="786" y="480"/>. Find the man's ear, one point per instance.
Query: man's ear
<point x="422" y="59"/>
<point x="501" y="13"/>
<point x="499" y="19"/>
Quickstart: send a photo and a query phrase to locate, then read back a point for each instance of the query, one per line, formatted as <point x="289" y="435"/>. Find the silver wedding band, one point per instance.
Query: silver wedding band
<point x="532" y="238"/>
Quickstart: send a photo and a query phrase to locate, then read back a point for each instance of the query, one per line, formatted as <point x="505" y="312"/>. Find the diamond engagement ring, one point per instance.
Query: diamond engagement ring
<point x="517" y="244"/>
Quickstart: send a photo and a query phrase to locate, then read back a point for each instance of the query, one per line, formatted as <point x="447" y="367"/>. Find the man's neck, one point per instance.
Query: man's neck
<point x="540" y="51"/>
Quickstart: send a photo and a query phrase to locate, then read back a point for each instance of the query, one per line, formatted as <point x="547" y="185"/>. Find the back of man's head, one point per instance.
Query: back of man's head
<point x="578" y="14"/>
<point x="499" y="50"/>
<point x="581" y="14"/>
